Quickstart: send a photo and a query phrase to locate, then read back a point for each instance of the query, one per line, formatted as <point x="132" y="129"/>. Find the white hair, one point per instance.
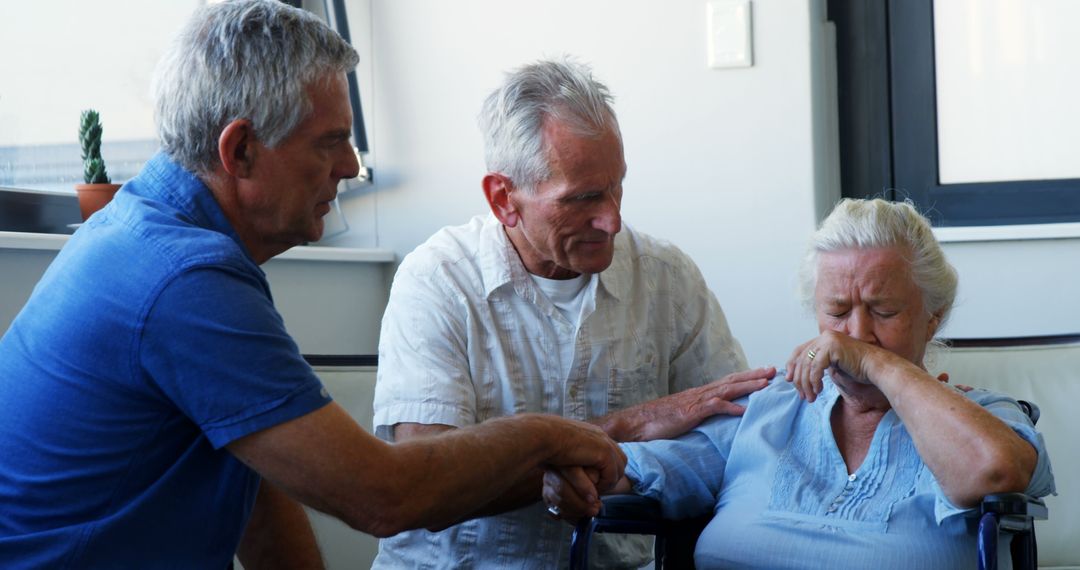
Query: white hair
<point x="513" y="116"/>
<point x="244" y="59"/>
<point x="865" y="224"/>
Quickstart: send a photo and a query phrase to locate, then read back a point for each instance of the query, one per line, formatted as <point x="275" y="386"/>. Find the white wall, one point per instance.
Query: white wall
<point x="328" y="307"/>
<point x="724" y="163"/>
<point x="734" y="166"/>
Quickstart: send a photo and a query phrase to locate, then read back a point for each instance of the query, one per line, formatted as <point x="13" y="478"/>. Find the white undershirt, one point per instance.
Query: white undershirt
<point x="568" y="296"/>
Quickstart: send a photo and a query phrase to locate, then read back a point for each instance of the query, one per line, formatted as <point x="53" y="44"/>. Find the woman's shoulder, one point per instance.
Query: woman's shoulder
<point x="778" y="387"/>
<point x="777" y="402"/>
<point x="999" y="403"/>
<point x="780" y="396"/>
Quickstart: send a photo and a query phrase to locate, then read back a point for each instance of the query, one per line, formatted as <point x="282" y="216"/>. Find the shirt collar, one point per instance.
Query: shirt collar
<point x="501" y="265"/>
<point x="613" y="279"/>
<point x="182" y="190"/>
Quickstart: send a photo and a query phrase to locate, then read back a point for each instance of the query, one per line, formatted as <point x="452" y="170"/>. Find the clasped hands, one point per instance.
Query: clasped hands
<point x="572" y="492"/>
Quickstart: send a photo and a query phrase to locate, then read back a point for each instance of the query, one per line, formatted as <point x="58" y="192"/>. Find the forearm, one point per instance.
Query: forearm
<point x="521" y="493"/>
<point x="971" y="452"/>
<point x="278" y="534"/>
<point x="327" y="461"/>
<point x="495" y="465"/>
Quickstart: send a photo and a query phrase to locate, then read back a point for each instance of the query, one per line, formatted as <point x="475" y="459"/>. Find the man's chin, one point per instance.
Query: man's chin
<point x="593" y="263"/>
<point x="590" y="268"/>
<point x="315" y="233"/>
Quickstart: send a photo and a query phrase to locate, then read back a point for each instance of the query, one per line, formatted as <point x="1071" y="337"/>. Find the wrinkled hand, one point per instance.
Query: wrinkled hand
<point x="830" y="349"/>
<point x="678" y="413"/>
<point x="581" y="445"/>
<point x="562" y="489"/>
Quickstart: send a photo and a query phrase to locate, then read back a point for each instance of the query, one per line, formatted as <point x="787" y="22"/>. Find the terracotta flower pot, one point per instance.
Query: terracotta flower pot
<point x="93" y="197"/>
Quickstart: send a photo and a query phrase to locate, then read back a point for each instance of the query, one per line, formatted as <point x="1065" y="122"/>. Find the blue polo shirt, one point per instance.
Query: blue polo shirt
<point x="150" y="343"/>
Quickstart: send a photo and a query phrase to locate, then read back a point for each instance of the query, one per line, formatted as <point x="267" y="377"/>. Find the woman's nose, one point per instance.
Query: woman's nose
<point x="860" y="326"/>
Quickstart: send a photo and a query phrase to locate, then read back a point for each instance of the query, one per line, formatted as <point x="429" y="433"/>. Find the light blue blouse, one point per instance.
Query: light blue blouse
<point x="782" y="497"/>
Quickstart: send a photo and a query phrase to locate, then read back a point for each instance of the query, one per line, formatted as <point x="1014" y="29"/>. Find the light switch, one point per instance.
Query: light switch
<point x="729" y="29"/>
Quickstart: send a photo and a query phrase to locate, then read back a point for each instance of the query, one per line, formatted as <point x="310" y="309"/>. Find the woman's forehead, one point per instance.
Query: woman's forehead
<point x="882" y="270"/>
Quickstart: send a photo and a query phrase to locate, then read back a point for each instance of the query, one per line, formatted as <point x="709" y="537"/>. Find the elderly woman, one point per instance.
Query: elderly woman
<point x="861" y="459"/>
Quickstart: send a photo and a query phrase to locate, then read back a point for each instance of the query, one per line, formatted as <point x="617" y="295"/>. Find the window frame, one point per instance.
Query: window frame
<point x="888" y="124"/>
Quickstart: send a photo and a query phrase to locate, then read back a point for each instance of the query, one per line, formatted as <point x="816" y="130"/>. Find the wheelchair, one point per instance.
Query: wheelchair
<point x="1003" y="513"/>
<point x="1013" y="513"/>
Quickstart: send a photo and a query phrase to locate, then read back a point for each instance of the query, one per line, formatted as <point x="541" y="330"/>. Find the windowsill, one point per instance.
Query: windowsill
<point x="53" y="242"/>
<point x="1007" y="233"/>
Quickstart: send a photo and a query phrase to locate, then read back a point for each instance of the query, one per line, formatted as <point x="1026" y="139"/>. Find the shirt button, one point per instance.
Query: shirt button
<point x="851" y="477"/>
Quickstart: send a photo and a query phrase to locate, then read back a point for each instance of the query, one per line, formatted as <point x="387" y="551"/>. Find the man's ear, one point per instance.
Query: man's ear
<point x="497" y="190"/>
<point x="236" y="148"/>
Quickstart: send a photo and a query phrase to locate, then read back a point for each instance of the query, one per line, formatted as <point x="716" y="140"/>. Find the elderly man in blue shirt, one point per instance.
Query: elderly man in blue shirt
<point x="155" y="411"/>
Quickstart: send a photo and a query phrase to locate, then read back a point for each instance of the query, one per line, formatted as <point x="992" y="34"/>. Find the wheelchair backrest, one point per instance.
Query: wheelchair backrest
<point x="1045" y="371"/>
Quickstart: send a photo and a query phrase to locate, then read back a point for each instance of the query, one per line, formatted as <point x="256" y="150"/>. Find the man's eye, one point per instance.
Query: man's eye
<point x="836" y="314"/>
<point x="885" y="314"/>
<point x="332" y="142"/>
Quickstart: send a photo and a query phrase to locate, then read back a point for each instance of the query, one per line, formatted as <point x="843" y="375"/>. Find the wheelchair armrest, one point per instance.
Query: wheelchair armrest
<point x="629" y="507"/>
<point x="618" y="513"/>
<point x="632" y="514"/>
<point x="1016" y="511"/>
<point x="1016" y="514"/>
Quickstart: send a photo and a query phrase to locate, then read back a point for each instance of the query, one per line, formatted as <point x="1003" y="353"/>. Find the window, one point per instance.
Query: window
<point x="97" y="54"/>
<point x="915" y="122"/>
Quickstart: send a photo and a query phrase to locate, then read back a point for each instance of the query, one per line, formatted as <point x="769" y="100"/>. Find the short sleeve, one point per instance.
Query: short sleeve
<point x="215" y="346"/>
<point x="706" y="350"/>
<point x="1009" y="411"/>
<point x="424" y="375"/>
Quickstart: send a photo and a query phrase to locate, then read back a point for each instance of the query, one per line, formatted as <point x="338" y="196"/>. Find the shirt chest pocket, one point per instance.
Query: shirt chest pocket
<point x="635" y="384"/>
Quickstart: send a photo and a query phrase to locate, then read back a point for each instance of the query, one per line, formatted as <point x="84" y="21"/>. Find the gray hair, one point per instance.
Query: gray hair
<point x="513" y="116"/>
<point x="245" y="59"/>
<point x="864" y="224"/>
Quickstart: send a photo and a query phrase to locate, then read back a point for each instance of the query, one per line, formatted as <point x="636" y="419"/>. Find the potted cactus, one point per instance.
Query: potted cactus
<point x="98" y="188"/>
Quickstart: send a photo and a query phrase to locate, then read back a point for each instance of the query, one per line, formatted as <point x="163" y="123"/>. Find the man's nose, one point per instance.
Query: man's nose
<point x="609" y="218"/>
<point x="348" y="165"/>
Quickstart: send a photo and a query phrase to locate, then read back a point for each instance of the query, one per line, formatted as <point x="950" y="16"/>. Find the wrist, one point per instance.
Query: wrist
<point x="533" y="436"/>
<point x="550" y="435"/>
<point x="890" y="372"/>
<point x="617" y="426"/>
